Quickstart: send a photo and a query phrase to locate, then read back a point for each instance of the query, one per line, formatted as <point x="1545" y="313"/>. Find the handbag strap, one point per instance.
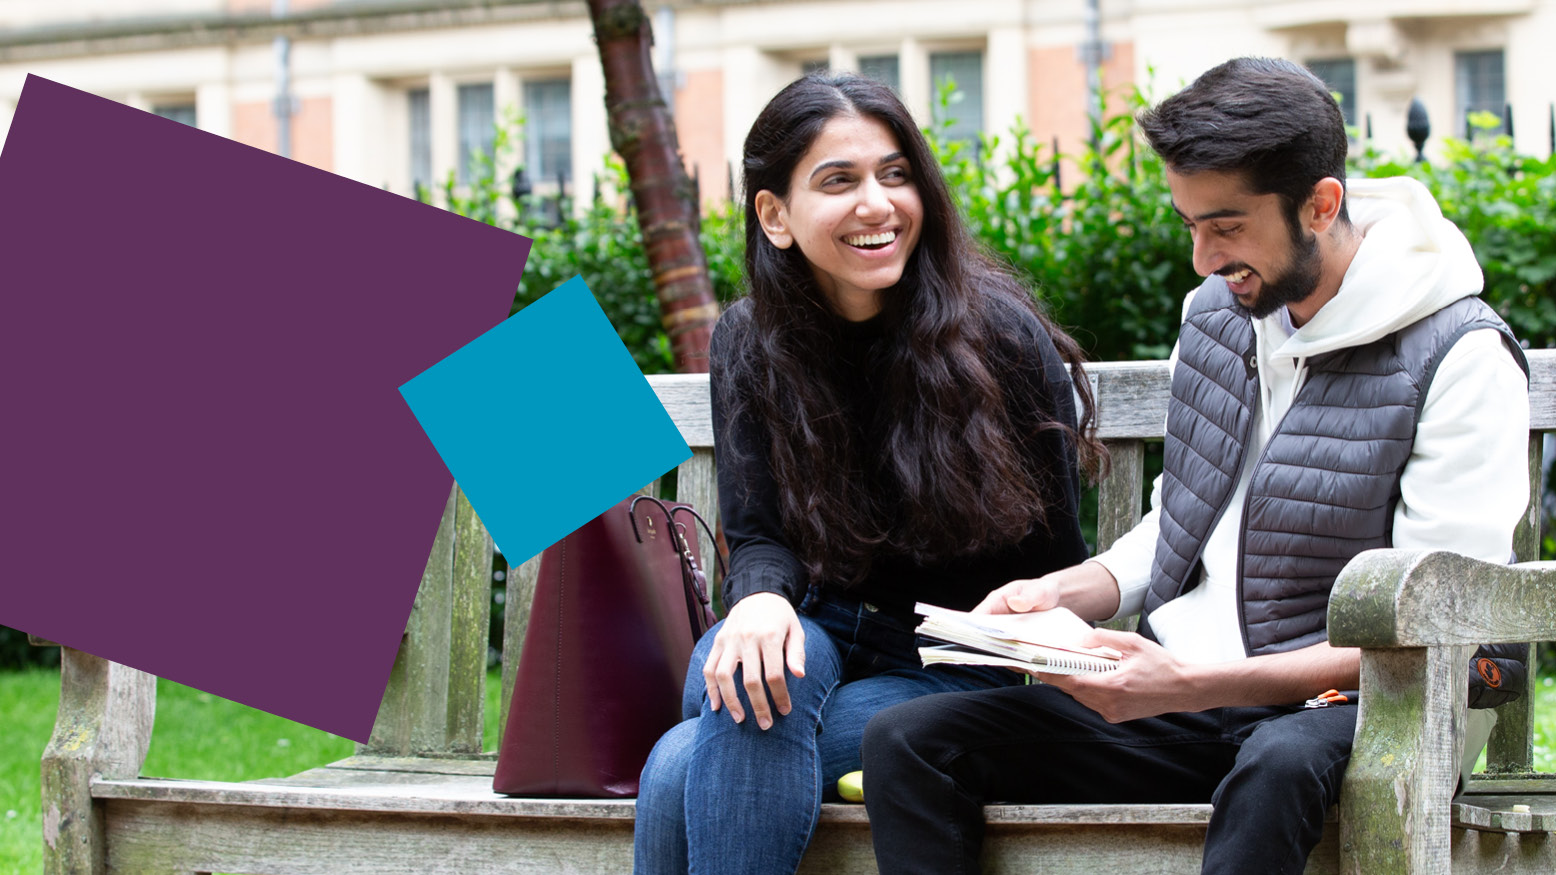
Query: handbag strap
<point x="692" y="577"/>
<point x="718" y="558"/>
<point x="632" y="514"/>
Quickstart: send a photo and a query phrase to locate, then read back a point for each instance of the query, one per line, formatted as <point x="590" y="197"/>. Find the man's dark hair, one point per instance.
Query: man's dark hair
<point x="1269" y="119"/>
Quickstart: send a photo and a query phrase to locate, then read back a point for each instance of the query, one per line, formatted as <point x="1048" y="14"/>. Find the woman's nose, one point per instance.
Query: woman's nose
<point x="873" y="202"/>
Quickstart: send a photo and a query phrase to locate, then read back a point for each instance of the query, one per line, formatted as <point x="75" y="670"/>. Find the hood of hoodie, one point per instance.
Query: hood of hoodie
<point x="1412" y="262"/>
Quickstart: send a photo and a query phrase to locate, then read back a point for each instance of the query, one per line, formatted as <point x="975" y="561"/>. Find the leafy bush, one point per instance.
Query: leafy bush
<point x="1506" y="205"/>
<point x="1108" y="258"/>
<point x="602" y="243"/>
<point x="1105" y="253"/>
<point x="17" y="652"/>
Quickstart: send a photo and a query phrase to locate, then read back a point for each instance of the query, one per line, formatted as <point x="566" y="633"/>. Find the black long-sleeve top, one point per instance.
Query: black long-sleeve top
<point x="1037" y="389"/>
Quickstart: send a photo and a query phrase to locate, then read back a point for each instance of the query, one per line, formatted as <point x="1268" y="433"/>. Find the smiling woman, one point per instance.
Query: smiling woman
<point x="854" y="212"/>
<point x="894" y="423"/>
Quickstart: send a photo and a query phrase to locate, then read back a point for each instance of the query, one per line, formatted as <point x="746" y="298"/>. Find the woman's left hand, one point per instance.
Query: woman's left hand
<point x="762" y="635"/>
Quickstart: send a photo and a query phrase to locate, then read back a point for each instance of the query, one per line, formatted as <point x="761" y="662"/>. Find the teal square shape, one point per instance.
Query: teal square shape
<point x="545" y="421"/>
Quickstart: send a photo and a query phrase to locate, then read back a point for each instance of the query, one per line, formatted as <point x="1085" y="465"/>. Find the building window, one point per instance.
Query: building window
<point x="548" y="130"/>
<point x="1339" y="76"/>
<point x="420" y="106"/>
<point x="1481" y="85"/>
<point x="965" y="69"/>
<point x="477" y="125"/>
<point x="183" y="113"/>
<point x="881" y="68"/>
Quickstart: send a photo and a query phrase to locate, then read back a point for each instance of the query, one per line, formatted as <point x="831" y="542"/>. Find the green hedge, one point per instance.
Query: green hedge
<point x="1104" y="252"/>
<point x="1506" y="205"/>
<point x="601" y="243"/>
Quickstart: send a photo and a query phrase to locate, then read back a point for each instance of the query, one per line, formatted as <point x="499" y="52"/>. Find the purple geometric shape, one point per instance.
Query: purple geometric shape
<point x="209" y="473"/>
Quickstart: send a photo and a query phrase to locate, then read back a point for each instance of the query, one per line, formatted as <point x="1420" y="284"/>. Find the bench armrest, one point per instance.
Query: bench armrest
<point x="103" y="730"/>
<point x="1427" y="598"/>
<point x="1417" y="615"/>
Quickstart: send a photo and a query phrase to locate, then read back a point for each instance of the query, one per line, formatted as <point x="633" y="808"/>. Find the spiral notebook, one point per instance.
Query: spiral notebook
<point x="1047" y="641"/>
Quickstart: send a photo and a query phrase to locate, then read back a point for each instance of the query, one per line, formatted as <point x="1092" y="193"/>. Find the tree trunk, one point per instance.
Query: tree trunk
<point x="643" y="133"/>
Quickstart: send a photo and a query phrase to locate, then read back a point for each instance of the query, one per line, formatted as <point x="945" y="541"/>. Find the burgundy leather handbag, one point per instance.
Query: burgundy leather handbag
<point x="619" y="603"/>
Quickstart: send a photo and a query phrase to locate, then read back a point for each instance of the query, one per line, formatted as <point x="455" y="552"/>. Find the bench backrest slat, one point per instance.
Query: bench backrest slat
<point x="436" y="707"/>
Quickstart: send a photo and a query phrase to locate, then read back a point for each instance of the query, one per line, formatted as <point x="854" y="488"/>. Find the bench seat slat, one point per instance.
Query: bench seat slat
<point x="1496" y="814"/>
<point x="1512" y="785"/>
<point x="470" y="793"/>
<point x="169" y="835"/>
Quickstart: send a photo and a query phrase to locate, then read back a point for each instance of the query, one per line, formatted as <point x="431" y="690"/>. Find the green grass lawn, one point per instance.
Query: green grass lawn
<point x="199" y="735"/>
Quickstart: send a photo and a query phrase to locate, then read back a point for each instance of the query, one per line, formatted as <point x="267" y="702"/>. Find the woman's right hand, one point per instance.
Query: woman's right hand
<point x="763" y="633"/>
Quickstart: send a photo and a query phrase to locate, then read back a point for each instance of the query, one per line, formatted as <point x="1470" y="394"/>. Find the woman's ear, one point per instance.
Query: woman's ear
<point x="774" y="217"/>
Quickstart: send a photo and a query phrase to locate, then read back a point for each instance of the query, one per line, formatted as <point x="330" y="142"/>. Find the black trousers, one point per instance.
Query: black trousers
<point x="932" y="763"/>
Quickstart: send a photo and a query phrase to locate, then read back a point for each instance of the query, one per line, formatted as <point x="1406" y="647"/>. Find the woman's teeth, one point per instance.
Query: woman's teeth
<point x="867" y="240"/>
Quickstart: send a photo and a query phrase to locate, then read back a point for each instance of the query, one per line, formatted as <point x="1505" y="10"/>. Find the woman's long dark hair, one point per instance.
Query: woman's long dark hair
<point x="947" y="442"/>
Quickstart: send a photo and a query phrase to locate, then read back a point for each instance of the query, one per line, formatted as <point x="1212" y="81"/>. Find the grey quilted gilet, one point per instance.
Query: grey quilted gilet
<point x="1326" y="484"/>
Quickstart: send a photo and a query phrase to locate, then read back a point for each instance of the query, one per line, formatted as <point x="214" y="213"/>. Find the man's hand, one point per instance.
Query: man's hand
<point x="1088" y="589"/>
<point x="763" y="634"/>
<point x="1148" y="681"/>
<point x="1021" y="597"/>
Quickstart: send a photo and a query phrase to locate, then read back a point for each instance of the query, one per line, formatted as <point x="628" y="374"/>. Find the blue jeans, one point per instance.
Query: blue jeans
<point x="720" y="796"/>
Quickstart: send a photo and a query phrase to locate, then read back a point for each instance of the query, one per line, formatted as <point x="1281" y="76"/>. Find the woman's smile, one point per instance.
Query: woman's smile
<point x="853" y="210"/>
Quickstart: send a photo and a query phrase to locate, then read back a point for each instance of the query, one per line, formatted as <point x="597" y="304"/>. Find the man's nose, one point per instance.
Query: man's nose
<point x="1207" y="260"/>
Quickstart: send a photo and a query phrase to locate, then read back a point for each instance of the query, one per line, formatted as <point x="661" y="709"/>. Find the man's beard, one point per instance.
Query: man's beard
<point x="1298" y="281"/>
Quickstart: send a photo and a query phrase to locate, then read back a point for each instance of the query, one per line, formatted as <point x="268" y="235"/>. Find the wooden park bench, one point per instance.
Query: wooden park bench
<point x="417" y="797"/>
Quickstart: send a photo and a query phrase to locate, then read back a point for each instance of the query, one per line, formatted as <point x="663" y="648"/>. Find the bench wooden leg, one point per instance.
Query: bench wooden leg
<point x="1394" y="807"/>
<point x="103" y="730"/>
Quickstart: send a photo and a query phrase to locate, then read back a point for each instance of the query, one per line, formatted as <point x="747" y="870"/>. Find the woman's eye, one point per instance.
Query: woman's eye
<point x="895" y="174"/>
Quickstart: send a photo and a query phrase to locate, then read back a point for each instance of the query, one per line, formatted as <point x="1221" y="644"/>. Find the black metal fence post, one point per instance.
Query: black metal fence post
<point x="1418" y="126"/>
<point x="1058" y="186"/>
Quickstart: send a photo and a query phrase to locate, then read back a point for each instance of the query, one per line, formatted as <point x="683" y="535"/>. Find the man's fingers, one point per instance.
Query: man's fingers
<point x="1019" y="597"/>
<point x="1065" y="682"/>
<point x="1029" y="595"/>
<point x="1122" y="641"/>
<point x="995" y="602"/>
<point x="1019" y="601"/>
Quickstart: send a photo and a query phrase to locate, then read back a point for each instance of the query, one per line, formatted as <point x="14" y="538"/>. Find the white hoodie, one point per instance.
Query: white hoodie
<point x="1466" y="482"/>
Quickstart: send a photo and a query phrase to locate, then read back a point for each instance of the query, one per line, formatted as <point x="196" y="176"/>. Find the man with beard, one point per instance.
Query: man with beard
<point x="1337" y="386"/>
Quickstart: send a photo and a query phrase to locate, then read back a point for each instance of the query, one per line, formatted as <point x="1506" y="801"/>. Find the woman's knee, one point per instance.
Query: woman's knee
<point x="696" y="687"/>
<point x="823" y="670"/>
<point x="659" y="830"/>
<point x="664" y="774"/>
<point x="822" y="660"/>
